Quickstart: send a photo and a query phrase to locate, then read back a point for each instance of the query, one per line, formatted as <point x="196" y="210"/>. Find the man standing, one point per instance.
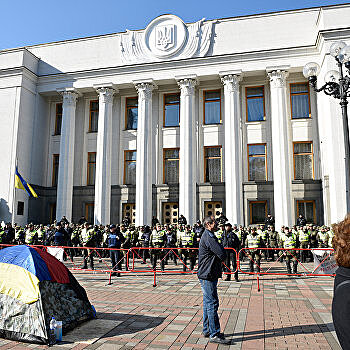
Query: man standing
<point x="230" y="240"/>
<point x="115" y="239"/>
<point x="211" y="256"/>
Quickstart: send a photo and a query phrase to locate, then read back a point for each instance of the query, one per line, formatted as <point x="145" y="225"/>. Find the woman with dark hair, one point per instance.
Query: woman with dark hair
<point x="341" y="295"/>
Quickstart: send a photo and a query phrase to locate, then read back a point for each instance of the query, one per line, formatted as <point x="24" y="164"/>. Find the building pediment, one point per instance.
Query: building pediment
<point x="167" y="37"/>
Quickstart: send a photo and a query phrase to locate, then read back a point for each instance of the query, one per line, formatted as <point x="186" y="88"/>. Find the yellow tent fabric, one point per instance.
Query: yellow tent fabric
<point x="18" y="283"/>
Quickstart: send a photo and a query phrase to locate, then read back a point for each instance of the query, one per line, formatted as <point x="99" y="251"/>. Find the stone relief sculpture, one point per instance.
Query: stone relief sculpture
<point x="166" y="37"/>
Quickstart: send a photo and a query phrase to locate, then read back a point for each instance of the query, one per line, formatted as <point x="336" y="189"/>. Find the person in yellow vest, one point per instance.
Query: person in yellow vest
<point x="253" y="241"/>
<point x="30" y="235"/>
<point x="219" y="233"/>
<point x="304" y="239"/>
<point x="19" y="235"/>
<point x="290" y="241"/>
<point x="87" y="239"/>
<point x="186" y="242"/>
<point x="323" y="238"/>
<point x="41" y="234"/>
<point x="158" y="240"/>
<point x="264" y="239"/>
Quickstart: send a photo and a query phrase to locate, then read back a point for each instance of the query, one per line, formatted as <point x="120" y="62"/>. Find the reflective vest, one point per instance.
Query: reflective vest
<point x="18" y="233"/>
<point x="1" y="236"/>
<point x="330" y="238"/>
<point x="218" y="235"/>
<point x="187" y="239"/>
<point x="253" y="241"/>
<point x="29" y="238"/>
<point x="158" y="238"/>
<point x="323" y="237"/>
<point x="40" y="234"/>
<point x="289" y="242"/>
<point x="86" y="235"/>
<point x="303" y="236"/>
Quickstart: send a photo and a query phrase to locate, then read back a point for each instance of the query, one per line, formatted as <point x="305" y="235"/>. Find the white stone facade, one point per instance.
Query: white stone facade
<point x="228" y="55"/>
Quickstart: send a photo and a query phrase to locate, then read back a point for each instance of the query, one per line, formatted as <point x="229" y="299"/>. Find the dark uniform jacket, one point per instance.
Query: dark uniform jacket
<point x="115" y="239"/>
<point x="341" y="306"/>
<point x="210" y="256"/>
<point x="60" y="237"/>
<point x="231" y="240"/>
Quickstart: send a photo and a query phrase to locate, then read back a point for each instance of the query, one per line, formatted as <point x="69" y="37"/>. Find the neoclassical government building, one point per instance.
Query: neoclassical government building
<point x="177" y="118"/>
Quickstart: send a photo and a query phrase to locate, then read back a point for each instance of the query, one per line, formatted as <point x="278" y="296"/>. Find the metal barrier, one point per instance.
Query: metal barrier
<point x="291" y="255"/>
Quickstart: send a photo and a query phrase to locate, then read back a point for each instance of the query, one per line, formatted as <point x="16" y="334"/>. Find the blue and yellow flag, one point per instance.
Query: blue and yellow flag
<point x="23" y="185"/>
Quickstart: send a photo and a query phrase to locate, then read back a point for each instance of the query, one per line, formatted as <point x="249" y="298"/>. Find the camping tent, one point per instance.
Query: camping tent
<point x="34" y="286"/>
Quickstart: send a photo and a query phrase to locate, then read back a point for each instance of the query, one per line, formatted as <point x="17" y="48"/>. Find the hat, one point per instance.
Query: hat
<point x="112" y="226"/>
<point x="228" y="224"/>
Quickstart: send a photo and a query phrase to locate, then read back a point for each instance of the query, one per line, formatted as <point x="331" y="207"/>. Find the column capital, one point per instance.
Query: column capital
<point x="231" y="82"/>
<point x="187" y="84"/>
<point x="278" y="78"/>
<point x="69" y="96"/>
<point x="106" y="94"/>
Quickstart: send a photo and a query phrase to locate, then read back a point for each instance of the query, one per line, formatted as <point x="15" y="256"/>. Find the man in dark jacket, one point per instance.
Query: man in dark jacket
<point x="301" y="221"/>
<point x="115" y="240"/>
<point x="210" y="257"/>
<point x="230" y="240"/>
<point x="269" y="221"/>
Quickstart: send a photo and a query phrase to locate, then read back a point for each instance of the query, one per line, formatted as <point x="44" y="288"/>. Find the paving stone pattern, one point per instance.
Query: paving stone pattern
<point x="287" y="313"/>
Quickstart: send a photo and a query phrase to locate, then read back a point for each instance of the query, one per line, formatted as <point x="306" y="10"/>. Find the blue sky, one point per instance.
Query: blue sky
<point x="25" y="22"/>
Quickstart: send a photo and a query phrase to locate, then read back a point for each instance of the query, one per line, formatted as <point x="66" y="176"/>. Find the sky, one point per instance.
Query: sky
<point x="30" y="22"/>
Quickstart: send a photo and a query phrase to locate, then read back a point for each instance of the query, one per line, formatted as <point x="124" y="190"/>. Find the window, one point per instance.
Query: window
<point x="258" y="212"/>
<point x="171" y="165"/>
<point x="20" y="208"/>
<point x="212" y="164"/>
<point x="91" y="168"/>
<point x="56" y="159"/>
<point x="170" y="213"/>
<point x="300" y="100"/>
<point x="212" y="208"/>
<point x="131" y="113"/>
<point x="171" y="110"/>
<point x="303" y="161"/>
<point x="93" y="121"/>
<point x="308" y="210"/>
<point x="257" y="162"/>
<point x="129" y="210"/>
<point x="130" y="167"/>
<point x="212" y="107"/>
<point x="58" y="120"/>
<point x="255" y="103"/>
<point x="89" y="212"/>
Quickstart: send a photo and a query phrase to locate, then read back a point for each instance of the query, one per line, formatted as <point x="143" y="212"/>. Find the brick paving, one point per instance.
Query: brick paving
<point x="287" y="313"/>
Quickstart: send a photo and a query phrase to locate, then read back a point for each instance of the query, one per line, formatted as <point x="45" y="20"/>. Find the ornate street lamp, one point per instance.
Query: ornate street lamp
<point x="336" y="85"/>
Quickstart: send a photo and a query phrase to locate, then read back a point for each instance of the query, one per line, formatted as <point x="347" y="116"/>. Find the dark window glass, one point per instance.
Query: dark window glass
<point x="303" y="161"/>
<point x="131" y="113"/>
<point x="93" y="124"/>
<point x="171" y="165"/>
<point x="58" y="121"/>
<point x="258" y="212"/>
<point x="257" y="162"/>
<point x="213" y="168"/>
<point x="91" y="168"/>
<point x="20" y="208"/>
<point x="56" y="159"/>
<point x="130" y="168"/>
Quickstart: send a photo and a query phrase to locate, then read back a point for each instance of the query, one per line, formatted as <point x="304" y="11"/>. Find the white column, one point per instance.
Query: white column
<point x="144" y="157"/>
<point x="103" y="157"/>
<point x="233" y="151"/>
<point x="282" y="179"/>
<point x="188" y="150"/>
<point x="66" y="161"/>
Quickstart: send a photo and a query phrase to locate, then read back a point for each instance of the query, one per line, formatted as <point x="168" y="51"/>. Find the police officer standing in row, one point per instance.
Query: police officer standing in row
<point x="115" y="240"/>
<point x="230" y="240"/>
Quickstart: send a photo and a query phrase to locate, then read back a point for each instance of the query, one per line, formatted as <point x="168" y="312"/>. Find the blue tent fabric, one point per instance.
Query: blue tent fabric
<point x="28" y="258"/>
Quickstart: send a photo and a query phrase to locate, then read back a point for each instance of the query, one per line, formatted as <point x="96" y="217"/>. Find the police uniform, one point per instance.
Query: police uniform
<point x="87" y="239"/>
<point x="304" y="239"/>
<point x="253" y="241"/>
<point x="186" y="241"/>
<point x="158" y="240"/>
<point x="290" y="242"/>
<point x="30" y="236"/>
<point x="273" y="243"/>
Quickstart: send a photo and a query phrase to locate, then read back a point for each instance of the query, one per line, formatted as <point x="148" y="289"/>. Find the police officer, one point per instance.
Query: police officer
<point x="145" y="239"/>
<point x="30" y="235"/>
<point x="219" y="233"/>
<point x="59" y="238"/>
<point x="125" y="231"/>
<point x="253" y="241"/>
<point x="158" y="240"/>
<point x="273" y="241"/>
<point x="182" y="220"/>
<point x="87" y="239"/>
<point x="19" y="235"/>
<point x="126" y="221"/>
<point x="304" y="240"/>
<point x="230" y="240"/>
<point x="186" y="242"/>
<point x="115" y="240"/>
<point x="9" y="234"/>
<point x="290" y="241"/>
<point x="170" y="243"/>
<point x="222" y="219"/>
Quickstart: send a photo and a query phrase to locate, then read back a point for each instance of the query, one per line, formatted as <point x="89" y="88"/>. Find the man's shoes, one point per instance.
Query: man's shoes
<point x="205" y="335"/>
<point x="219" y="339"/>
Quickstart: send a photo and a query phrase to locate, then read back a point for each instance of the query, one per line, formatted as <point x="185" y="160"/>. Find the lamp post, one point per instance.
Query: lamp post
<point x="337" y="85"/>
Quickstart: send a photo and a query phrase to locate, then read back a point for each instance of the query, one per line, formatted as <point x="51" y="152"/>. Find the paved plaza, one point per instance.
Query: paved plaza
<point x="287" y="313"/>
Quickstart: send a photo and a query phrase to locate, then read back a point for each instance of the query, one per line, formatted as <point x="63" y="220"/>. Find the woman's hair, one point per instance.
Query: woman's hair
<point x="341" y="242"/>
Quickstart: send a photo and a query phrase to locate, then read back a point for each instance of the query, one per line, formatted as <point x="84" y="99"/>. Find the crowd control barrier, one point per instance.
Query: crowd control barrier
<point x="263" y="263"/>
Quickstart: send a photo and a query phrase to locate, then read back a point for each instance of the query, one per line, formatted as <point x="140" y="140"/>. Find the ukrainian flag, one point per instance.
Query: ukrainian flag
<point x="23" y="185"/>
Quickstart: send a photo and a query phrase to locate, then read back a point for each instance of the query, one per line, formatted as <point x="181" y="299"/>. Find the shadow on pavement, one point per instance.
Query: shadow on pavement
<point x="281" y="332"/>
<point x="131" y="323"/>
